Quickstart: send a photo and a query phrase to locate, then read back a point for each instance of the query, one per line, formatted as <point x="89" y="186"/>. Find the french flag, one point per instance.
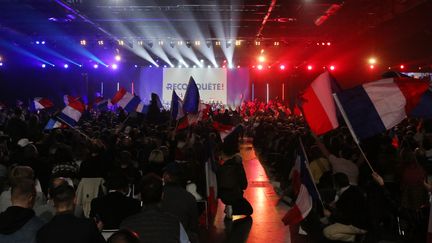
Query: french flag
<point x="53" y="124"/>
<point x="71" y="114"/>
<point x="375" y="107"/>
<point x="224" y="129"/>
<point x="69" y="98"/>
<point x="126" y="100"/>
<point x="142" y="108"/>
<point x="318" y="104"/>
<point x="191" y="102"/>
<point x="306" y="191"/>
<point x="101" y="103"/>
<point x="176" y="106"/>
<point x="192" y="119"/>
<point x="42" y="103"/>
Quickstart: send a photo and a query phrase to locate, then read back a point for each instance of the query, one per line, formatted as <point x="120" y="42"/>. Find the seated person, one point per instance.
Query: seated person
<point x="65" y="226"/>
<point x="152" y="224"/>
<point x="349" y="214"/>
<point x="102" y="207"/>
<point x="19" y="223"/>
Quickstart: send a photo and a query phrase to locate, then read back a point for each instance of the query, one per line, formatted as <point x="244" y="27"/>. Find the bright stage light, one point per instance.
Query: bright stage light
<point x="276" y="43"/>
<point x="238" y="66"/>
<point x="135" y="66"/>
<point x="95" y="66"/>
<point x="114" y="66"/>
<point x="121" y="42"/>
<point x="402" y="66"/>
<point x="100" y="42"/>
<point x="150" y="66"/>
<point x="66" y="66"/>
<point x="179" y="43"/>
<point x="194" y="66"/>
<point x="37" y="42"/>
<point x="164" y="66"/>
<point x="43" y="42"/>
<point x="117" y="58"/>
<point x="140" y="43"/>
<point x="371" y="66"/>
<point x="208" y="66"/>
<point x="372" y="60"/>
<point x="282" y="67"/>
<point x="83" y="42"/>
<point x="197" y="43"/>
<point x="43" y="65"/>
<point x="238" y="42"/>
<point x="309" y="67"/>
<point x="217" y="43"/>
<point x="161" y="43"/>
<point x="261" y="58"/>
<point x="260" y="67"/>
<point x="332" y="67"/>
<point x="216" y="66"/>
<point x="328" y="43"/>
<point x="257" y="43"/>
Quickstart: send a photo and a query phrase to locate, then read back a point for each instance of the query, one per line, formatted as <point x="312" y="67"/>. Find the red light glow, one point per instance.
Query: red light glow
<point x="282" y="67"/>
<point x="332" y="67"/>
<point x="309" y="67"/>
<point x="402" y="66"/>
<point x="260" y="67"/>
<point x="371" y="66"/>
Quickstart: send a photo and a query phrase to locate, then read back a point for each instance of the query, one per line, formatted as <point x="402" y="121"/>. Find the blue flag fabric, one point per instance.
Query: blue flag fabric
<point x="192" y="98"/>
<point x="176" y="106"/>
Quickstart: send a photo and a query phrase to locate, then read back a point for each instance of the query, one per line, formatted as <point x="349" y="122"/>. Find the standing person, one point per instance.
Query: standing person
<point x="152" y="224"/>
<point x="19" y="223"/>
<point x="232" y="181"/>
<point x="65" y="226"/>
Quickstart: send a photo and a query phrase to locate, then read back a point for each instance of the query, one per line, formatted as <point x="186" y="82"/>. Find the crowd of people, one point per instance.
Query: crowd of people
<point x="142" y="178"/>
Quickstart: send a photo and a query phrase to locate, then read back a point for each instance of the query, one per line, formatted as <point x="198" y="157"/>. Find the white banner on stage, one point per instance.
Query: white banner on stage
<point x="211" y="82"/>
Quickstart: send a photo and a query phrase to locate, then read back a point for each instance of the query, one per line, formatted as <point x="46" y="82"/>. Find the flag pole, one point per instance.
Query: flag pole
<point x="310" y="174"/>
<point x="356" y="140"/>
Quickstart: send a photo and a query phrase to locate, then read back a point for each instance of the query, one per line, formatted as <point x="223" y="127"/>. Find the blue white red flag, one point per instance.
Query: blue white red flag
<point x="40" y="103"/>
<point x="192" y="119"/>
<point x="69" y="98"/>
<point x="142" y="108"/>
<point x="306" y="191"/>
<point x="72" y="113"/>
<point x="225" y="129"/>
<point x="176" y="106"/>
<point x="191" y="102"/>
<point x="318" y="105"/>
<point x="53" y="124"/>
<point x="374" y="107"/>
<point x="126" y="100"/>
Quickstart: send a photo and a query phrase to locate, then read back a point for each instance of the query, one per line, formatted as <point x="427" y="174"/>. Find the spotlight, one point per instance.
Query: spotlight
<point x="261" y="59"/>
<point x="179" y="65"/>
<point x="117" y="58"/>
<point x="371" y="66"/>
<point x="332" y="67"/>
<point x="135" y="66"/>
<point x="179" y="43"/>
<point x="201" y="60"/>
<point x="121" y="42"/>
<point x="257" y="43"/>
<point x="260" y="67"/>
<point x="197" y="43"/>
<point x="43" y="42"/>
<point x="194" y="66"/>
<point x="161" y="43"/>
<point x="402" y="66"/>
<point x="141" y="43"/>
<point x="276" y="43"/>
<point x="223" y="66"/>
<point x="43" y="65"/>
<point x="216" y="66"/>
<point x="100" y="42"/>
<point x="1" y="64"/>
<point x="80" y="65"/>
<point x="83" y="42"/>
<point x="238" y="42"/>
<point x="66" y="66"/>
<point x="150" y="66"/>
<point x="95" y="66"/>
<point x="164" y="66"/>
<point x="114" y="66"/>
<point x="217" y="43"/>
<point x="328" y="43"/>
<point x="309" y="67"/>
<point x="322" y="43"/>
<point x="238" y="66"/>
<point x="37" y="42"/>
<point x="208" y="66"/>
<point x="372" y="60"/>
<point x="282" y="67"/>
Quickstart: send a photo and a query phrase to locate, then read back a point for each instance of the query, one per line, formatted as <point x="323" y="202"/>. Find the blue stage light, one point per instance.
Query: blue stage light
<point x="95" y="66"/>
<point x="66" y="66"/>
<point x="43" y="65"/>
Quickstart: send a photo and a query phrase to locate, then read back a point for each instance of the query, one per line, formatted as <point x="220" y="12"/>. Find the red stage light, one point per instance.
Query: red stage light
<point x="402" y="66"/>
<point x="260" y="67"/>
<point x="371" y="66"/>
<point x="332" y="67"/>
<point x="328" y="43"/>
<point x="309" y="67"/>
<point x="282" y="67"/>
<point x="261" y="59"/>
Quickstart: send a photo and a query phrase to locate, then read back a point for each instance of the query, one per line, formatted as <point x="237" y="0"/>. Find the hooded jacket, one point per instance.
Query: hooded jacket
<point x="19" y="224"/>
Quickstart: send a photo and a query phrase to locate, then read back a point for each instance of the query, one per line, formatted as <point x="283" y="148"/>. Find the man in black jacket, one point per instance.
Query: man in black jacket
<point x="65" y="226"/>
<point x="349" y="216"/>
<point x="113" y="208"/>
<point x="19" y="223"/>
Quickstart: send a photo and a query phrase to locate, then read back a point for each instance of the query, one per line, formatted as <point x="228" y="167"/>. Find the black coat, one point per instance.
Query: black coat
<point x="232" y="180"/>
<point x="113" y="208"/>
<point x="67" y="228"/>
<point x="351" y="208"/>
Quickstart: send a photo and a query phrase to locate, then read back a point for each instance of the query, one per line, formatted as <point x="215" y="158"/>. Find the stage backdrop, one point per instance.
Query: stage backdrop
<point x="227" y="86"/>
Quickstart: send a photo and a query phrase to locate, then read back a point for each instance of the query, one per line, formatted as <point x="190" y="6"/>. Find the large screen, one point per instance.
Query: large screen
<point x="211" y="82"/>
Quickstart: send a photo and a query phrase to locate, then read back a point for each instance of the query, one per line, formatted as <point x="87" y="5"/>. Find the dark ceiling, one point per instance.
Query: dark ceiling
<point x="352" y="26"/>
